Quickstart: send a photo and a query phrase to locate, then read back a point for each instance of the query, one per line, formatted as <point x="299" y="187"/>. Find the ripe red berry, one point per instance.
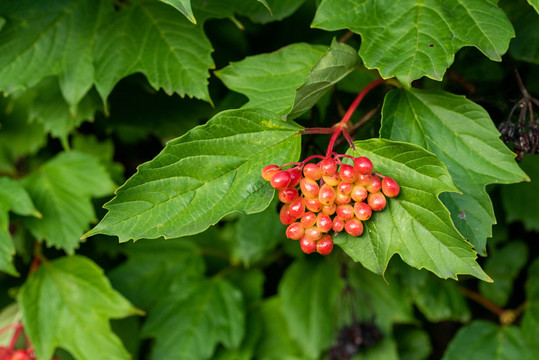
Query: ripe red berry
<point x="363" y="180"/>
<point x="324" y="245"/>
<point x="307" y="246"/>
<point x="288" y="195"/>
<point x="329" y="209"/>
<point x="296" y="209"/>
<point x="309" y="188"/>
<point x="377" y="201"/>
<point x="390" y="187"/>
<point x="375" y="185"/>
<point x="280" y="180"/>
<point x="269" y="171"/>
<point x="295" y="231"/>
<point x="348" y="173"/>
<point x="341" y="199"/>
<point x="362" y="211"/>
<point x="20" y="355"/>
<point x="345" y="188"/>
<point x="363" y="165"/>
<point x="313" y="205"/>
<point x="338" y="224"/>
<point x="285" y="217"/>
<point x="328" y="166"/>
<point x="354" y="227"/>
<point x="332" y="180"/>
<point x="326" y="195"/>
<point x="312" y="171"/>
<point x="312" y="233"/>
<point x="359" y="193"/>
<point x="308" y="219"/>
<point x="295" y="177"/>
<point x="323" y="222"/>
<point x="345" y="212"/>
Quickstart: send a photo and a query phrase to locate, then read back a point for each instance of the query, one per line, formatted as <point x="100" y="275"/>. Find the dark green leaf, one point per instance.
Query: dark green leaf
<point x="184" y="6"/>
<point x="278" y="10"/>
<point x="308" y="292"/>
<point x="530" y="320"/>
<point x="482" y="340"/>
<point x="332" y="67"/>
<point x="246" y="351"/>
<point x="504" y="265"/>
<point x="463" y="136"/>
<point x="195" y="316"/>
<point x="525" y="46"/>
<point x="535" y="4"/>
<point x="413" y="344"/>
<point x="386" y="349"/>
<point x="68" y="303"/>
<point x="153" y="39"/>
<point x="270" y="80"/>
<point x="202" y="176"/>
<point x="2" y="22"/>
<point x="411" y="38"/>
<point x="414" y="225"/>
<point x="61" y="190"/>
<point x="7" y="250"/>
<point x="153" y="266"/>
<point x="521" y="201"/>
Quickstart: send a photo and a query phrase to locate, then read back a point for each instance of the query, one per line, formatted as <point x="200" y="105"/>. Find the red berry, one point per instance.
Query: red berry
<point x="345" y="212"/>
<point x="280" y="180"/>
<point x="328" y="166"/>
<point x="363" y="165"/>
<point x="285" y="217"/>
<point x="332" y="180"/>
<point x="312" y="234"/>
<point x="20" y="355"/>
<point x="345" y="188"/>
<point x="363" y="211"/>
<point x="348" y="173"/>
<point x="295" y="177"/>
<point x="309" y="188"/>
<point x="324" y="222"/>
<point x="377" y="201"/>
<point x="375" y="185"/>
<point x="308" y="219"/>
<point x="363" y="180"/>
<point x="313" y="205"/>
<point x="329" y="209"/>
<point x="307" y="246"/>
<point x="359" y="193"/>
<point x="341" y="199"/>
<point x="338" y="224"/>
<point x="269" y="171"/>
<point x="312" y="171"/>
<point x="326" y="195"/>
<point x="354" y="227"/>
<point x="288" y="195"/>
<point x="390" y="187"/>
<point x="295" y="231"/>
<point x="297" y="208"/>
<point x="324" y="245"/>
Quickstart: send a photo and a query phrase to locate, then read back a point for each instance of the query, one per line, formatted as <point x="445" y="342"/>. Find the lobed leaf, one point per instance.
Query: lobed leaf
<point x="193" y="317"/>
<point x="67" y="303"/>
<point x="183" y="6"/>
<point x="414" y="225"/>
<point x="463" y="136"/>
<point x="200" y="177"/>
<point x="412" y="38"/>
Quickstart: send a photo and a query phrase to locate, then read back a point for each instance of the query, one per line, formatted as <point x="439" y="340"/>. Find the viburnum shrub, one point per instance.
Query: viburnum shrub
<point x="165" y="166"/>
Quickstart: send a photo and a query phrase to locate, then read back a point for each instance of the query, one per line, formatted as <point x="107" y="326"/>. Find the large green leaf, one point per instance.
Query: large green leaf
<point x="200" y="177"/>
<point x="270" y="80"/>
<point x="184" y="6"/>
<point x="530" y="320"/>
<point x="482" y="340"/>
<point x="151" y="268"/>
<point x="409" y="39"/>
<point x="309" y="292"/>
<point x="463" y="136"/>
<point x="67" y="303"/>
<point x="61" y="190"/>
<point x="196" y="315"/>
<point x="154" y="39"/>
<point x="414" y="225"/>
<point x="46" y="38"/>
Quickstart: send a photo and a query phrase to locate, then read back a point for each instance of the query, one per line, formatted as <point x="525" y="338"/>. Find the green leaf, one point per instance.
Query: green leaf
<point x="50" y="38"/>
<point x="414" y="225"/>
<point x="198" y="178"/>
<point x="10" y="315"/>
<point x="308" y="292"/>
<point x="2" y="22"/>
<point x="411" y="38"/>
<point x="521" y="201"/>
<point x="386" y="349"/>
<point x="413" y="344"/>
<point x="265" y="3"/>
<point x="504" y="265"/>
<point x="195" y="316"/>
<point x="270" y="80"/>
<point x="534" y="4"/>
<point x="246" y="351"/>
<point x="68" y="303"/>
<point x="148" y="273"/>
<point x="463" y="136"/>
<point x="7" y="250"/>
<point x="530" y="320"/>
<point x="183" y="6"/>
<point x="482" y="340"/>
<point x="525" y="45"/>
<point x="61" y="190"/>
<point x="276" y="10"/>
<point x="158" y="42"/>
<point x="339" y="61"/>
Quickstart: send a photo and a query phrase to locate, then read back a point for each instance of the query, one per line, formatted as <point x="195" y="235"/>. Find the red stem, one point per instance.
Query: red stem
<point x="13" y="341"/>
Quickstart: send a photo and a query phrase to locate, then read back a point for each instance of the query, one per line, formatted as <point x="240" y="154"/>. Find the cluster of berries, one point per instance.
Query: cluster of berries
<point x="326" y="196"/>
<point x="6" y="354"/>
